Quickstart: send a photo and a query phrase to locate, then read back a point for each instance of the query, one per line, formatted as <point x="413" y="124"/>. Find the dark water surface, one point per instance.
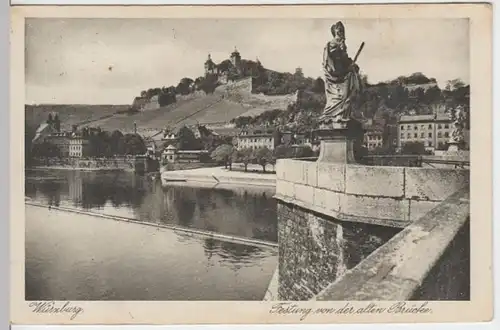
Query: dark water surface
<point x="79" y="257"/>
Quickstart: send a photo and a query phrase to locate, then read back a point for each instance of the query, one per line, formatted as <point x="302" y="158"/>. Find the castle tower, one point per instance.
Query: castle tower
<point x="209" y="66"/>
<point x="236" y="59"/>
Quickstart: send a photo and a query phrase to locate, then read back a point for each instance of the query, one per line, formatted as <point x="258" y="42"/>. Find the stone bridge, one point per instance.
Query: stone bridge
<point x="356" y="232"/>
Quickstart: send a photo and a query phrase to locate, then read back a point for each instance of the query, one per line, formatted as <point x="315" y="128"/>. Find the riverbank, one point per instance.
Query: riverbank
<point x="218" y="176"/>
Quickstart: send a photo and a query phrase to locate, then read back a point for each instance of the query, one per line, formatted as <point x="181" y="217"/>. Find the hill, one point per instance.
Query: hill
<point x="199" y="108"/>
<point x="70" y="114"/>
<point x="227" y="102"/>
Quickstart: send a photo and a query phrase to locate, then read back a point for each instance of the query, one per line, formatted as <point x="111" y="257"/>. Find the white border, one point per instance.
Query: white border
<point x="4" y="189"/>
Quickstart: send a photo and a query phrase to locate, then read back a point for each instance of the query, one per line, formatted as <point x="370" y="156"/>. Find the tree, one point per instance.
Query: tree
<point x="245" y="156"/>
<point x="184" y="86"/>
<point x="263" y="156"/>
<point x="208" y="83"/>
<point x="57" y="123"/>
<point x="187" y="140"/>
<point x="116" y="141"/>
<point x="50" y="121"/>
<point x="134" y="144"/>
<point x="223" y="154"/>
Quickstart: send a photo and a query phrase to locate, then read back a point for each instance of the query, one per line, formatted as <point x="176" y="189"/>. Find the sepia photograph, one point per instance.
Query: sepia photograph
<point x="280" y="160"/>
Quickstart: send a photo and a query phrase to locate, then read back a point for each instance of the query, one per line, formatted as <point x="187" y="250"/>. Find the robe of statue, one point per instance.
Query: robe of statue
<point x="342" y="83"/>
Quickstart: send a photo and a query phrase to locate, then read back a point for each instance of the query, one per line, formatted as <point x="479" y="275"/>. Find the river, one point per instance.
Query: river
<point x="79" y="257"/>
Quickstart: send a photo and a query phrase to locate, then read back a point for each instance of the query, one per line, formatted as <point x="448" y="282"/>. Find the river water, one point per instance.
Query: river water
<point x="79" y="257"/>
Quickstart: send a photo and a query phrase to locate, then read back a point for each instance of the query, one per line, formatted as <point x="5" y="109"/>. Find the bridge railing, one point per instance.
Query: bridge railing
<point x="405" y="160"/>
<point x="417" y="262"/>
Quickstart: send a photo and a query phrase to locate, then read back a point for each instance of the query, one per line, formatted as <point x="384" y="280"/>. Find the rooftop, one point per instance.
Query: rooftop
<point x="419" y="118"/>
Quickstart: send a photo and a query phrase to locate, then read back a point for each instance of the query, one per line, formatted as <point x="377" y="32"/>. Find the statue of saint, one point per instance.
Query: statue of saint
<point x="343" y="83"/>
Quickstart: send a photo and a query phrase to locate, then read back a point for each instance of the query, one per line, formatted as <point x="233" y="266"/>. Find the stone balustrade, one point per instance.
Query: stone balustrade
<point x="389" y="196"/>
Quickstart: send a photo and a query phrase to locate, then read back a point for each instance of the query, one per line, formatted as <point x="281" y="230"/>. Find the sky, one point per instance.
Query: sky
<point x="109" y="61"/>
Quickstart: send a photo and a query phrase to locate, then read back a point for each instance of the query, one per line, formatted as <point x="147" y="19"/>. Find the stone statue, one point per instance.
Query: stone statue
<point x="343" y="83"/>
<point x="458" y="117"/>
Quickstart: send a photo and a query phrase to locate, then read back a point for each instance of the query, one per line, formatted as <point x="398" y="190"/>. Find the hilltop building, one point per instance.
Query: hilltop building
<point x="230" y="69"/>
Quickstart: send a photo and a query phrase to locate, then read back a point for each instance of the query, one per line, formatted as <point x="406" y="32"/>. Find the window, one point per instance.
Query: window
<point x="422" y="126"/>
<point x="402" y="135"/>
<point x="402" y="127"/>
<point x="409" y="135"/>
<point x="430" y="135"/>
<point x="430" y="126"/>
<point x="446" y="126"/>
<point x="439" y="126"/>
<point x="446" y="134"/>
<point x="421" y="135"/>
<point x="415" y="127"/>
<point x="429" y="144"/>
<point x="439" y="134"/>
<point x="415" y="135"/>
<point x="409" y="127"/>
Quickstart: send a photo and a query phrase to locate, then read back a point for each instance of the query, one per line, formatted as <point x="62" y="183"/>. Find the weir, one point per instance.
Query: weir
<point x="184" y="230"/>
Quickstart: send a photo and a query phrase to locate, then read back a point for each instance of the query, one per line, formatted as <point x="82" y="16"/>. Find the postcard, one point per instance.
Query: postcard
<point x="251" y="164"/>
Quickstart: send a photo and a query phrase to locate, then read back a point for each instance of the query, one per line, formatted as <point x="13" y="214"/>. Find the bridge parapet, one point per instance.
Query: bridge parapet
<point x="333" y="216"/>
<point x="416" y="264"/>
<point x="382" y="195"/>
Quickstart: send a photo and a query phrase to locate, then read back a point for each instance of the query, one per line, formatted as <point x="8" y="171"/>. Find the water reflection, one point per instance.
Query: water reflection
<point x="69" y="257"/>
<point x="237" y="211"/>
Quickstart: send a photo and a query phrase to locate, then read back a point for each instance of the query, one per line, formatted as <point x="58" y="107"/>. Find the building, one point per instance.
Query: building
<point x="172" y="155"/>
<point x="236" y="60"/>
<point x="256" y="138"/>
<point x="225" y="71"/>
<point x="152" y="104"/>
<point x="210" y="66"/>
<point x="431" y="130"/>
<point x="62" y="141"/>
<point x="373" y="138"/>
<point x="78" y="146"/>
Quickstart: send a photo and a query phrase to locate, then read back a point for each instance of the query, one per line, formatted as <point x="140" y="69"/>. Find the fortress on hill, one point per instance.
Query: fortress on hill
<point x="231" y="69"/>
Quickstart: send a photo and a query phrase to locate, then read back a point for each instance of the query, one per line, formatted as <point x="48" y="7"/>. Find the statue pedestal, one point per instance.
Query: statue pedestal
<point x="455" y="147"/>
<point x="337" y="144"/>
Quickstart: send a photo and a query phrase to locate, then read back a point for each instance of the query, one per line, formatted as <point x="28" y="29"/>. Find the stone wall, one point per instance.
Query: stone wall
<point x="428" y="260"/>
<point x="389" y="196"/>
<point x="315" y="249"/>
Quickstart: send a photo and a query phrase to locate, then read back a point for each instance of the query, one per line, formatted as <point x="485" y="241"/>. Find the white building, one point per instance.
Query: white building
<point x="431" y="130"/>
<point x="256" y="138"/>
